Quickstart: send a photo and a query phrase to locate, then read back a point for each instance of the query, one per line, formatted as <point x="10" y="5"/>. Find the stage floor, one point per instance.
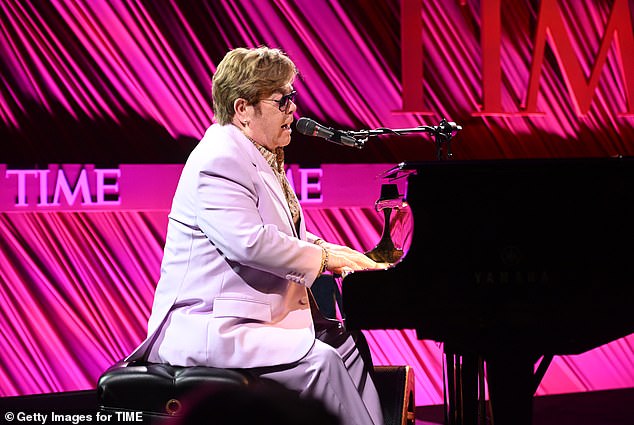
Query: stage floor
<point x="613" y="407"/>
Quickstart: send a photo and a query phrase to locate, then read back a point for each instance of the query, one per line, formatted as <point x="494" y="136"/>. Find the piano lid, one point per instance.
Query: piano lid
<point x="522" y="214"/>
<point x="535" y="251"/>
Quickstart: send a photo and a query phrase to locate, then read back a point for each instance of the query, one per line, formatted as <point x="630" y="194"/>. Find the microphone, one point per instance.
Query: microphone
<point x="311" y="128"/>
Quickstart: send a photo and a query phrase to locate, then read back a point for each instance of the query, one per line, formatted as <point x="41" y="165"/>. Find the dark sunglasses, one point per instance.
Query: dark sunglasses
<point x="284" y="103"/>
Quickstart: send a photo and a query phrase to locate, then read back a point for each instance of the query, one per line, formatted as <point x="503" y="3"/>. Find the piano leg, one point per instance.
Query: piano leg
<point x="511" y="387"/>
<point x="450" y="389"/>
<point x="470" y="389"/>
<point x="461" y="400"/>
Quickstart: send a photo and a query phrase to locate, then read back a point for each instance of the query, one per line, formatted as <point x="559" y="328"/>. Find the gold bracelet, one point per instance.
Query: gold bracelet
<point x="324" y="260"/>
<point x="319" y="241"/>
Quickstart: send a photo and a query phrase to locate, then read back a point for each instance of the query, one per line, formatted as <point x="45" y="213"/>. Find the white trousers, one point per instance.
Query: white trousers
<point x="337" y="377"/>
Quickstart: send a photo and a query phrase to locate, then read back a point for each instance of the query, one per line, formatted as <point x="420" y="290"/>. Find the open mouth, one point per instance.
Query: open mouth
<point x="286" y="126"/>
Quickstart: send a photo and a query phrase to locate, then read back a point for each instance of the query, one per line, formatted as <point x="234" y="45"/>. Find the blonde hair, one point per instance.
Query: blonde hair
<point x="250" y="74"/>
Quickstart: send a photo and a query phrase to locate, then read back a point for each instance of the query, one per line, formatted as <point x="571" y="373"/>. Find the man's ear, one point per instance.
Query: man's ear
<point x="242" y="110"/>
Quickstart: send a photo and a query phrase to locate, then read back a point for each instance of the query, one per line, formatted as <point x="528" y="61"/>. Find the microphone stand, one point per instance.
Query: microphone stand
<point x="442" y="133"/>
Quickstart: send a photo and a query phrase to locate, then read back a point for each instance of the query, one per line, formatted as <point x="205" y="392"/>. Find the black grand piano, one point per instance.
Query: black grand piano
<point x="511" y="262"/>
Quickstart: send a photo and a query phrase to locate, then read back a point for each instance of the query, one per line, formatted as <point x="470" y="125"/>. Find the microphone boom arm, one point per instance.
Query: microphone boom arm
<point x="442" y="133"/>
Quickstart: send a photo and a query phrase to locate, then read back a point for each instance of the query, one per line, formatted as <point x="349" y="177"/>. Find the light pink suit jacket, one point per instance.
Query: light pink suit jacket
<point x="232" y="291"/>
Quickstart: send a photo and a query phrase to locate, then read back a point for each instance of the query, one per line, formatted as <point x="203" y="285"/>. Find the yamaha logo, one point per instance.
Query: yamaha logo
<point x="511" y="278"/>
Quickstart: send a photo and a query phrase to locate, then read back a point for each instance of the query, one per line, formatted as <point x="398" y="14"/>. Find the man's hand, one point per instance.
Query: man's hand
<point x="344" y="259"/>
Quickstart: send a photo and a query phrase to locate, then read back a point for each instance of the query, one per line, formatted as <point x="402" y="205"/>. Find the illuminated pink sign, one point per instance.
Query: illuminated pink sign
<point x="84" y="187"/>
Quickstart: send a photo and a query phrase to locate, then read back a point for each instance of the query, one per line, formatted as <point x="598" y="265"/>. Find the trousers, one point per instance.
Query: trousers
<point x="338" y="377"/>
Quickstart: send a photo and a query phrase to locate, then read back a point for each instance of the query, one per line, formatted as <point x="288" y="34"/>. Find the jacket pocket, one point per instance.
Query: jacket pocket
<point x="240" y="307"/>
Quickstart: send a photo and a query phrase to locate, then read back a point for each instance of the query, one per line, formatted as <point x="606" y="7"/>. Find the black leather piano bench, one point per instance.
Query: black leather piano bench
<point x="154" y="393"/>
<point x="395" y="385"/>
<point x="160" y="393"/>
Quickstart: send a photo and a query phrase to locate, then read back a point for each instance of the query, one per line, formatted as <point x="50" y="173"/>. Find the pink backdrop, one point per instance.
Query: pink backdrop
<point x="126" y="82"/>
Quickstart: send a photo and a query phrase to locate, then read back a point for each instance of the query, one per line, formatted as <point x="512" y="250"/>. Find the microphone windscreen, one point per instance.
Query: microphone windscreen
<point x="306" y="126"/>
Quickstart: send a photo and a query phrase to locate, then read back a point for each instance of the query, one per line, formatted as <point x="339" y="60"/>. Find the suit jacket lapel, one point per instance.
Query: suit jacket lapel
<point x="276" y="190"/>
<point x="270" y="179"/>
